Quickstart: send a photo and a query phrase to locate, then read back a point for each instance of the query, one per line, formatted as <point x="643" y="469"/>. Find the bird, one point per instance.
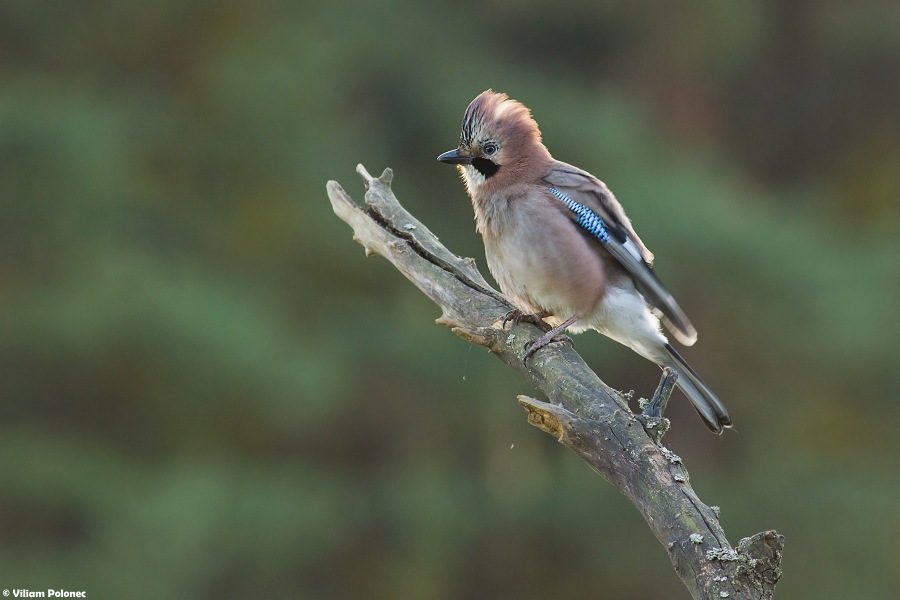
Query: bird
<point x="562" y="249"/>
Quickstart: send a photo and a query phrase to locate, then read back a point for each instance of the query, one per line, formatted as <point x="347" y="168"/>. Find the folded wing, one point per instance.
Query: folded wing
<point x="589" y="196"/>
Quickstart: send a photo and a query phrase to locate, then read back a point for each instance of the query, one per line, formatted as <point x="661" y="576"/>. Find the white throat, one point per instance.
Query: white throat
<point x="473" y="178"/>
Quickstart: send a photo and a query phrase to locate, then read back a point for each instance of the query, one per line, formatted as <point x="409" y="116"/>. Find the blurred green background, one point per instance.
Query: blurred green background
<point x="209" y="392"/>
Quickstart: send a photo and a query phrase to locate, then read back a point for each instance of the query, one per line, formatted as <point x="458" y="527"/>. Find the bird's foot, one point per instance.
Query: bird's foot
<point x="516" y="316"/>
<point x="535" y="345"/>
<point x="554" y="335"/>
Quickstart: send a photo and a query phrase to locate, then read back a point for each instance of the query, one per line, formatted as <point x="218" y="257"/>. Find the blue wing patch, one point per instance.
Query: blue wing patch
<point x="587" y="218"/>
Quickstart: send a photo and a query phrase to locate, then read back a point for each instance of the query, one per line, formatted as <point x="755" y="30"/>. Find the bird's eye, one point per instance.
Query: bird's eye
<point x="490" y="149"/>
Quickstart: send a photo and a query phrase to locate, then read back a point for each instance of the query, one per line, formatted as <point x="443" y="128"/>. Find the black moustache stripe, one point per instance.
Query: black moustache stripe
<point x="485" y="167"/>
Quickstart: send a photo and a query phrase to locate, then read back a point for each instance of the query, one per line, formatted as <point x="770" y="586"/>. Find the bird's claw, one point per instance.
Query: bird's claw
<point x="516" y="316"/>
<point x="554" y="335"/>
<point x="533" y="346"/>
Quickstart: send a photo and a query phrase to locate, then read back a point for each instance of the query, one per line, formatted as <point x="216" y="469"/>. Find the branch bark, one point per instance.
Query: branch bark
<point x="583" y="413"/>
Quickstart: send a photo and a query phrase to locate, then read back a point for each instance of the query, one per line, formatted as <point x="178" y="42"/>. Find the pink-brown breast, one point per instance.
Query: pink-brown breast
<point x="538" y="256"/>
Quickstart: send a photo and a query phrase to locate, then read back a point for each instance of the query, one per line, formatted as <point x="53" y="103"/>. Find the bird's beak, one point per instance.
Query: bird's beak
<point x="453" y="157"/>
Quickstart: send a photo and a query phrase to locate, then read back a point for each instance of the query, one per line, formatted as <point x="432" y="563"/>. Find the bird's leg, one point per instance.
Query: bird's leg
<point x="554" y="335"/>
<point x="517" y="316"/>
<point x="657" y="405"/>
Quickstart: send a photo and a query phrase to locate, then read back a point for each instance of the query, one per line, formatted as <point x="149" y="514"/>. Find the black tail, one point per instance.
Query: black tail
<point x="710" y="408"/>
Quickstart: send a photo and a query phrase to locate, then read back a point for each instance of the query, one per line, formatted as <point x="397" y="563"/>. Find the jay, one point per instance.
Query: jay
<point x="562" y="249"/>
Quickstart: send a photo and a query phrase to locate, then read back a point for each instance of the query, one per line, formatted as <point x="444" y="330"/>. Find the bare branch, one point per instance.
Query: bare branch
<point x="583" y="413"/>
